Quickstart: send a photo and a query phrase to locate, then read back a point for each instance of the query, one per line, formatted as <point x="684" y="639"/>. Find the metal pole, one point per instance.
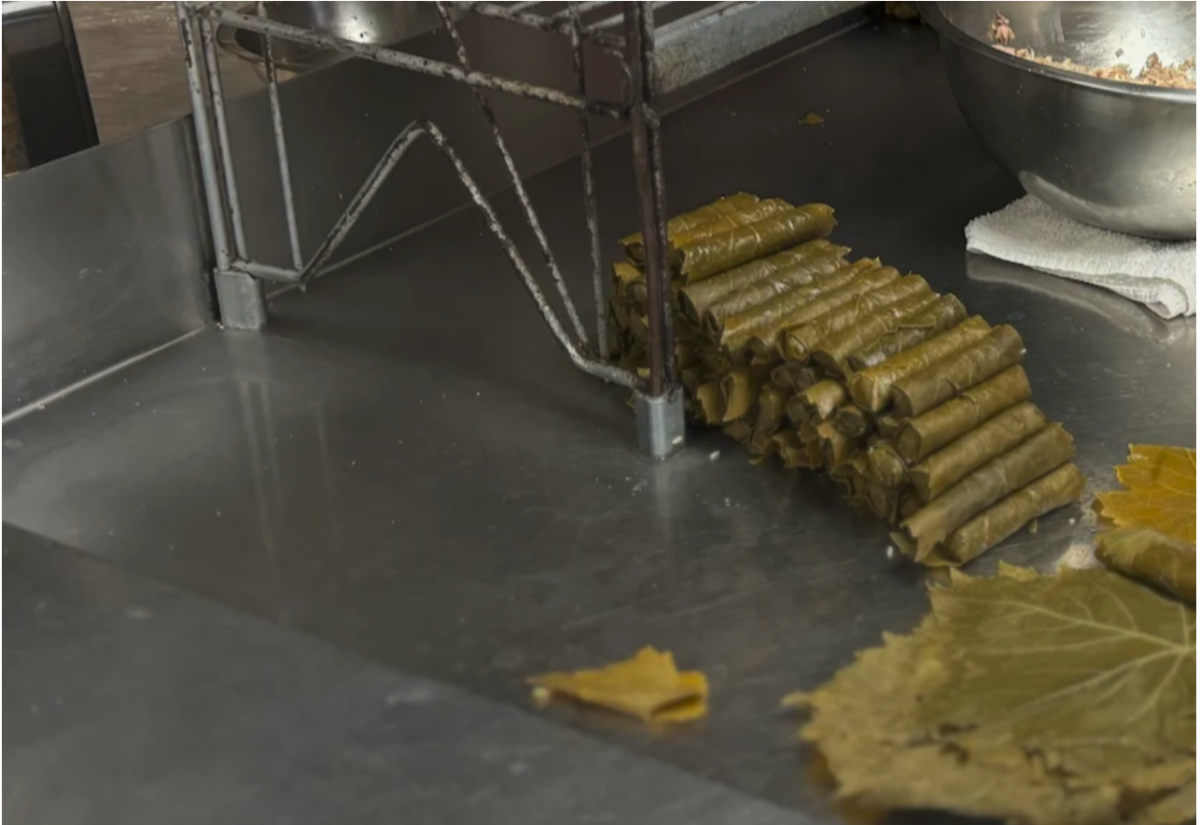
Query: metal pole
<point x="422" y="65"/>
<point x="285" y="171"/>
<point x="589" y="186"/>
<point x="204" y="148"/>
<point x="217" y="93"/>
<point x="647" y="152"/>
<point x="518" y="186"/>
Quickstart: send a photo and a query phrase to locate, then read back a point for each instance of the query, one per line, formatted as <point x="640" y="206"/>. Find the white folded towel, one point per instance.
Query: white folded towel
<point x="1159" y="274"/>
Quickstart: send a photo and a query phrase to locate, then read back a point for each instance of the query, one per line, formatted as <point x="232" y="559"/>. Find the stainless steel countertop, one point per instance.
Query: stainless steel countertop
<point x="406" y="467"/>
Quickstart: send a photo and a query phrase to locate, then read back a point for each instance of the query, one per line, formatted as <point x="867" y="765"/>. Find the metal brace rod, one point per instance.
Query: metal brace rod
<point x="216" y="91"/>
<point x="553" y="23"/>
<point x="208" y="166"/>
<point x="591" y="210"/>
<point x="579" y="9"/>
<point x="485" y="107"/>
<point x="402" y="143"/>
<point x="647" y="153"/>
<point x="422" y="65"/>
<point x="281" y="153"/>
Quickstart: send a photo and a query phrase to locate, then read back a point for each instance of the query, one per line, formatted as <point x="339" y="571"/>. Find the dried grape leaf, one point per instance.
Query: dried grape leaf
<point x="1042" y="700"/>
<point x="647" y="686"/>
<point x="1151" y="557"/>
<point x="1161" y="492"/>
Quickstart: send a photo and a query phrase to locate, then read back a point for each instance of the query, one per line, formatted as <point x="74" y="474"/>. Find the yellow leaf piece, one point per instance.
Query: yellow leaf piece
<point x="812" y="119"/>
<point x="1160" y="494"/>
<point x="1038" y="700"/>
<point x="647" y="686"/>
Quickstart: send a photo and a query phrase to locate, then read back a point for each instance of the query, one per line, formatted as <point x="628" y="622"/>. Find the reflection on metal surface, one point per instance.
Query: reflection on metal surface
<point x="104" y="260"/>
<point x="380" y="24"/>
<point x="120" y="677"/>
<point x="1125" y="315"/>
<point x="1116" y="155"/>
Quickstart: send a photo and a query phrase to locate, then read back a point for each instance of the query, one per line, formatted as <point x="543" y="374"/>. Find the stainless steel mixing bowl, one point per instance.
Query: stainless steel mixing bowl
<point x="380" y="24"/>
<point x="1117" y="155"/>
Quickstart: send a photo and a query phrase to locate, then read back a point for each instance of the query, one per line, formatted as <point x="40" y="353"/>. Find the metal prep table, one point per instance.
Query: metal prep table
<point x="366" y="524"/>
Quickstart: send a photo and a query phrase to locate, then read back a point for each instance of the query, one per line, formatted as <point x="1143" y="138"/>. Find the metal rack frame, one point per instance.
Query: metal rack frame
<point x="239" y="279"/>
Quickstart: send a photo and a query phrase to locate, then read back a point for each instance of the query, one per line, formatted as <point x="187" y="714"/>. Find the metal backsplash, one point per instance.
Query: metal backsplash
<point x="106" y="254"/>
<point x="103" y="255"/>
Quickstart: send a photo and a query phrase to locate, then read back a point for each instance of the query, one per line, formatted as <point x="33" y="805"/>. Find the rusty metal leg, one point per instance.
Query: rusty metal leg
<point x="240" y="300"/>
<point x="591" y="210"/>
<point x="660" y="410"/>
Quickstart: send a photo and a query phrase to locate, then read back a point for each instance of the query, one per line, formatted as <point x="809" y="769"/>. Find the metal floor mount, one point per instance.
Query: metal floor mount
<point x="696" y="44"/>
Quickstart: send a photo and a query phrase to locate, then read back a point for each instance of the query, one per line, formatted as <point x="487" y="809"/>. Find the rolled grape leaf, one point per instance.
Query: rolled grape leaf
<point x="889" y="426"/>
<point x="726" y="223"/>
<point x="819" y="402"/>
<point x="946" y="314"/>
<point x="1048" y="450"/>
<point x="1161" y="492"/>
<point x="851" y="420"/>
<point x="883" y="502"/>
<point x="647" y="686"/>
<point x="712" y="402"/>
<point x="872" y="388"/>
<point x="797" y="453"/>
<point x="772" y="408"/>
<point x="737" y="330"/>
<point x="887" y="468"/>
<point x="996" y="436"/>
<point x="1151" y="557"/>
<point x="920" y="437"/>
<point x="626" y="273"/>
<point x="744" y="299"/>
<point x="799" y="343"/>
<point x="708" y="256"/>
<point x="943" y="380"/>
<point x="634" y="244"/>
<point x="695" y="299"/>
<point x="740" y="390"/>
<point x="691" y="378"/>
<point x="909" y="504"/>
<point x="767" y="338"/>
<point x="794" y="377"/>
<point x="1050" y="492"/>
<point x="1034" y="700"/>
<point x="834" y="351"/>
<point x="835" y="447"/>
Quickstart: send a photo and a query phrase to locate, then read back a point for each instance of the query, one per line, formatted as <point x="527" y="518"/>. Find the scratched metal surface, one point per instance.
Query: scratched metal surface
<point x="404" y="465"/>
<point x="128" y="701"/>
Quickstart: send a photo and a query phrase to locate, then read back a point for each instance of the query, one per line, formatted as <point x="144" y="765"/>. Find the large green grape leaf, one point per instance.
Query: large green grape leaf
<point x="1057" y="700"/>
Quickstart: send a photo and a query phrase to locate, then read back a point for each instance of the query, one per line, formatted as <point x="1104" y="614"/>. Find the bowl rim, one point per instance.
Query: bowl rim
<point x="932" y="12"/>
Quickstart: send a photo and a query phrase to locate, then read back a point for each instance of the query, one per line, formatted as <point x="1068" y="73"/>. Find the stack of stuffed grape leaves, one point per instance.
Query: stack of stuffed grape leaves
<point x="920" y="411"/>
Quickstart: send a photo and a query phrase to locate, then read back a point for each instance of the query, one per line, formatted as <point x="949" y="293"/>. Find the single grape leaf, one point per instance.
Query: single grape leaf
<point x="647" y="686"/>
<point x="1151" y="557"/>
<point x="1050" y="700"/>
<point x="1160" y="494"/>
